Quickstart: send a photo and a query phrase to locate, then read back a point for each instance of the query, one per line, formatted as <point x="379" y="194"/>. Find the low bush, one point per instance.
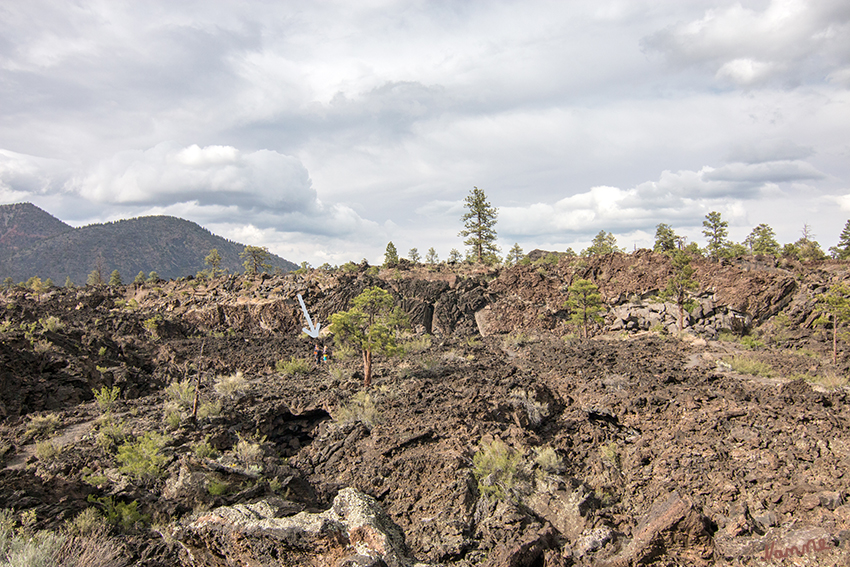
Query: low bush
<point x="230" y="386"/>
<point x="209" y="409"/>
<point x="248" y="450"/>
<point x="416" y="345"/>
<point x="497" y="468"/>
<point x="41" y="426"/>
<point x="142" y="458"/>
<point x="46" y="451"/>
<point x="294" y="366"/>
<point x="527" y="402"/>
<point x="182" y="392"/>
<point x="120" y="513"/>
<point x="547" y="459"/>
<point x="52" y="324"/>
<point x="106" y="397"/>
<point x="751" y="366"/>
<point x="360" y="408"/>
<point x="217" y="487"/>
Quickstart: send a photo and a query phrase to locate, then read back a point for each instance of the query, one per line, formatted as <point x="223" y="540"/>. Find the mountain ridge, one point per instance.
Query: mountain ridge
<point x="35" y="243"/>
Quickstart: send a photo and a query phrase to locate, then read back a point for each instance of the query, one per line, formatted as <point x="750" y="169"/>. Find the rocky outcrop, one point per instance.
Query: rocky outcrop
<point x="355" y="531"/>
<point x="706" y="318"/>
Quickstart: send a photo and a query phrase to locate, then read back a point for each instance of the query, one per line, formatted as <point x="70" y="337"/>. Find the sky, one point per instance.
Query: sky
<point x="325" y="129"/>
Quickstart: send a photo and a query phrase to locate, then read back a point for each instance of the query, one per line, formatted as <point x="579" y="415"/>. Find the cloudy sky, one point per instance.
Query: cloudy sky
<point x="325" y="129"/>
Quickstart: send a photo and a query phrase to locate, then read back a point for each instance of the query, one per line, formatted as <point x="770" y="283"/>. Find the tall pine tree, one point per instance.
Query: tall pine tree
<point x="479" y="222"/>
<point x="715" y="231"/>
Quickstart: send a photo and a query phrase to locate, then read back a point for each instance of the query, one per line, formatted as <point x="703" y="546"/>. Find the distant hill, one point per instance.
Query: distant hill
<point x="34" y="243"/>
<point x="23" y="224"/>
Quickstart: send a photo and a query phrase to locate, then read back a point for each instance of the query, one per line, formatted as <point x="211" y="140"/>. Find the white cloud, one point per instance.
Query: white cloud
<point x="789" y="40"/>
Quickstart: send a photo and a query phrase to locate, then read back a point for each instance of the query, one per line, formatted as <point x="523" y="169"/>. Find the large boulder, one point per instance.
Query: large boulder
<point x="354" y="531"/>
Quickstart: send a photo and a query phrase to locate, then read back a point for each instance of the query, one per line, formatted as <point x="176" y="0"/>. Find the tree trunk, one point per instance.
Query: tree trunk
<point x="367" y="368"/>
<point x="834" y="339"/>
<point x="681" y="317"/>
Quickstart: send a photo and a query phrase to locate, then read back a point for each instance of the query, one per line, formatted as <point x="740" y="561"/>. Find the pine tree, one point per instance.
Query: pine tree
<point x="257" y="259"/>
<point x="213" y="260"/>
<point x="762" y="240"/>
<point x="715" y="231"/>
<point x="515" y="254"/>
<point x="140" y="278"/>
<point x="834" y="307"/>
<point x="680" y="283"/>
<point x="603" y="243"/>
<point x="68" y="283"/>
<point x="841" y="251"/>
<point x="431" y="257"/>
<point x="370" y="325"/>
<point x="153" y="277"/>
<point x="479" y="222"/>
<point x="665" y="239"/>
<point x="585" y="302"/>
<point x="413" y="255"/>
<point x="96" y="275"/>
<point x="454" y="256"/>
<point x="115" y="279"/>
<point x="391" y="255"/>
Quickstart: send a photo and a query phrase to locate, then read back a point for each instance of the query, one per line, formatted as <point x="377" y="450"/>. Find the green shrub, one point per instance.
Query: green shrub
<point x="230" y="386"/>
<point x="52" y="324"/>
<point x="416" y="345"/>
<point x="294" y="366"/>
<point x="248" y="450"/>
<point x="152" y="325"/>
<point x="106" y="397"/>
<point x="120" y="513"/>
<point x="142" y="459"/>
<point x="92" y="479"/>
<point x="217" y="487"/>
<point x="182" y="392"/>
<point x="547" y="459"/>
<point x="87" y="522"/>
<point x="338" y="373"/>
<point x="40" y="426"/>
<point x="496" y="468"/>
<point x="536" y="411"/>
<point x="109" y="432"/>
<point x="829" y="379"/>
<point x="345" y="352"/>
<point x="747" y="365"/>
<point x="610" y="452"/>
<point x="514" y="340"/>
<point x="173" y="416"/>
<point x="203" y="450"/>
<point x="209" y="409"/>
<point x="47" y="451"/>
<point x="359" y="408"/>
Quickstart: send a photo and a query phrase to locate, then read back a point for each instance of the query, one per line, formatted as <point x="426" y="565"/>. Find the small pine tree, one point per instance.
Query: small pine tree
<point x="762" y="240"/>
<point x="715" y="231"/>
<point x="48" y="283"/>
<point x="585" y="302"/>
<point x="370" y="325"/>
<point x="665" y="239"/>
<point x="390" y="255"/>
<point x="8" y="283"/>
<point x="257" y="259"/>
<point x="431" y="257"/>
<point x="841" y="251"/>
<point x="680" y="283"/>
<point x="515" y="254"/>
<point x="413" y="255"/>
<point x="454" y="256"/>
<point x="603" y="243"/>
<point x="140" y="278"/>
<point x="834" y="307"/>
<point x="95" y="278"/>
<point x="213" y="260"/>
<point x="115" y="279"/>
<point x="153" y="277"/>
<point x="479" y="222"/>
<point x="68" y="283"/>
